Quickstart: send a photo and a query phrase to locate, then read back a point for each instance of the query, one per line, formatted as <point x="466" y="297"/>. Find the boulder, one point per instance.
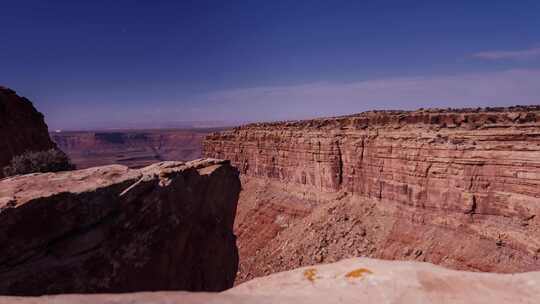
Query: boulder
<point x="167" y="226"/>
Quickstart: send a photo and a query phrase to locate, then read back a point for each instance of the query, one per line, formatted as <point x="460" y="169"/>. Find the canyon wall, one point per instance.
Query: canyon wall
<point x="113" y="229"/>
<point x="460" y="188"/>
<point x="22" y="127"/>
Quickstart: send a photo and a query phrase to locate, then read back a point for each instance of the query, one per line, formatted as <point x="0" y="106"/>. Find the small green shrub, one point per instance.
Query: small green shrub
<point x="52" y="160"/>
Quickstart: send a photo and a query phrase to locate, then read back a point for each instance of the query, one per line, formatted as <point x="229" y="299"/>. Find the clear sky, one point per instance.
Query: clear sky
<point x="93" y="64"/>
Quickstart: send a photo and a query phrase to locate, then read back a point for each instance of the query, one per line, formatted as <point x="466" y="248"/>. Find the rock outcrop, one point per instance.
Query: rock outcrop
<point x="113" y="229"/>
<point x="459" y="188"/>
<point x="22" y="127"/>
<point x="350" y="281"/>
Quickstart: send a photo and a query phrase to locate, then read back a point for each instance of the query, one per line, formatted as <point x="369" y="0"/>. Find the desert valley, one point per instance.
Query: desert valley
<point x="132" y="148"/>
<point x="456" y="188"/>
<point x="280" y="152"/>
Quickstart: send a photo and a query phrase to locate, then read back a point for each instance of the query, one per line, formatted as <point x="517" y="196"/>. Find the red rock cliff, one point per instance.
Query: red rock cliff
<point x="113" y="229"/>
<point x="22" y="127"/>
<point x="459" y="188"/>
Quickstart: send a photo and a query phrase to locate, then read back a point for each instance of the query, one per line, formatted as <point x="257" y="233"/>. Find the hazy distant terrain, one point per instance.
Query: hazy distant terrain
<point x="133" y="148"/>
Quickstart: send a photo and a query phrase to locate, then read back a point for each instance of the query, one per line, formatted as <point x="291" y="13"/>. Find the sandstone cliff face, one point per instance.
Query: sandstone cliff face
<point x="459" y="188"/>
<point x="113" y="229"/>
<point x="350" y="281"/>
<point x="22" y="127"/>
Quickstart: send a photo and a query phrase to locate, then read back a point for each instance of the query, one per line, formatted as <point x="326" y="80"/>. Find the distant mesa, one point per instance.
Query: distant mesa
<point x="133" y="148"/>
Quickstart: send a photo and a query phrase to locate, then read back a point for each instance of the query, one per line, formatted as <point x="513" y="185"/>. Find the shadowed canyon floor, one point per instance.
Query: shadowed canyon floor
<point x="458" y="188"/>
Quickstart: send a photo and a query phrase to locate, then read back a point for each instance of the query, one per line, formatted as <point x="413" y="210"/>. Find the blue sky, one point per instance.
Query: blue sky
<point x="99" y="64"/>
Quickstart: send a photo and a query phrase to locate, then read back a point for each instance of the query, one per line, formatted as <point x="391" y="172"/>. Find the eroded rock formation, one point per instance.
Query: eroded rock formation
<point x="460" y="188"/>
<point x="22" y="127"/>
<point x="351" y="281"/>
<point x="113" y="229"/>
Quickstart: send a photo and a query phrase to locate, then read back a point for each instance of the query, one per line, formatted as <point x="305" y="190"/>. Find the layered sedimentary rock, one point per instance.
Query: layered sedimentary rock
<point x="460" y="188"/>
<point x="351" y="281"/>
<point x="132" y="148"/>
<point x="22" y="127"/>
<point x="113" y="229"/>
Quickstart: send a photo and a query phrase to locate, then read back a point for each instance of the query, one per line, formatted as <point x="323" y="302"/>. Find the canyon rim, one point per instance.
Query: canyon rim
<point x="454" y="187"/>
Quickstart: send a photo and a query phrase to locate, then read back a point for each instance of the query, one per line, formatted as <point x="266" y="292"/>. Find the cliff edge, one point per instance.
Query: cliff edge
<point x="167" y="226"/>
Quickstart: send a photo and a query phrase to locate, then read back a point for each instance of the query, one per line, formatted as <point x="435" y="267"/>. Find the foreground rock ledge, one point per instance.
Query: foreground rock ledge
<point x="356" y="281"/>
<point x="112" y="229"/>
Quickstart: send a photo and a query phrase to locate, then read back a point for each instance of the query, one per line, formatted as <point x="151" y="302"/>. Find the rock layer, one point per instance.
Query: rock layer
<point x="460" y="188"/>
<point x="113" y="229"/>
<point x="22" y="127"/>
<point x="350" y="281"/>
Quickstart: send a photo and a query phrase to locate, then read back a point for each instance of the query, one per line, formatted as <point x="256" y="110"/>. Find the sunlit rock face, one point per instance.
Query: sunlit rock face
<point x="456" y="187"/>
<point x="22" y="127"/>
<point x="113" y="229"/>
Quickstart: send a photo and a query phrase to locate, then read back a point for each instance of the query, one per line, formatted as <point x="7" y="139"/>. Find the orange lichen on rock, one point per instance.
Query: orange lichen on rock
<point x="310" y="274"/>
<point x="358" y="273"/>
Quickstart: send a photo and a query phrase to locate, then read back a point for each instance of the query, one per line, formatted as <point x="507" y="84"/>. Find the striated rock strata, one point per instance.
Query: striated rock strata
<point x="459" y="188"/>
<point x="113" y="229"/>
<point x="350" y="281"/>
<point x="22" y="127"/>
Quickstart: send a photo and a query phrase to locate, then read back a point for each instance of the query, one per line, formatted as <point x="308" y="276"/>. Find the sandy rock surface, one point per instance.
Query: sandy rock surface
<point x="357" y="281"/>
